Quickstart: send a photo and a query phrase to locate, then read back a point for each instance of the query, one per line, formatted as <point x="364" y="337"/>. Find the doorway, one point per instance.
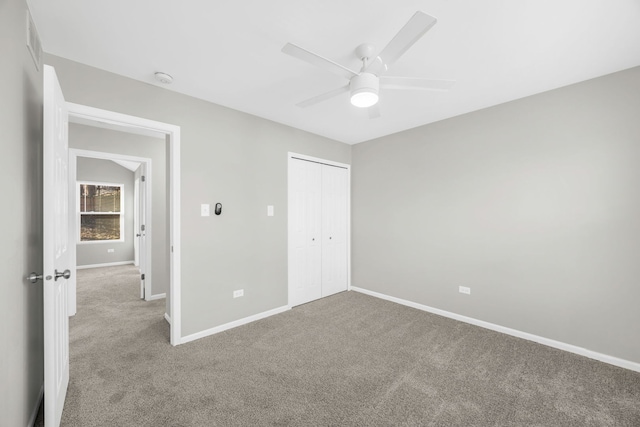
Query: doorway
<point x="138" y="231"/>
<point x="170" y="135"/>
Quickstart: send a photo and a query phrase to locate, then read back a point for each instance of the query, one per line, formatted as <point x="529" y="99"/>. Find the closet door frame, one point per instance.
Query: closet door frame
<point x="291" y="157"/>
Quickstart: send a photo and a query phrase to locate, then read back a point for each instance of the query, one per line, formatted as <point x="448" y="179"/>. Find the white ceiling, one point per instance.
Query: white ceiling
<point x="228" y="52"/>
<point x="127" y="164"/>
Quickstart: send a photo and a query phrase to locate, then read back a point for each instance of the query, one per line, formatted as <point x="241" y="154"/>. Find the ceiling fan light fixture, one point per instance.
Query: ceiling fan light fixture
<point x="364" y="90"/>
<point x="364" y="99"/>
<point x="364" y="86"/>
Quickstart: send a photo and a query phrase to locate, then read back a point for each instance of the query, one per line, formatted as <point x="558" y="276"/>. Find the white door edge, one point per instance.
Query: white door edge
<point x="136" y="221"/>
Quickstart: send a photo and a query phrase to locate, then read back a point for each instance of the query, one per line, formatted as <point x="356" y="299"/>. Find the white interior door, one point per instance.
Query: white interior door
<point x="56" y="249"/>
<point x="141" y="231"/>
<point x="305" y="255"/>
<point x="136" y="222"/>
<point x="334" y="229"/>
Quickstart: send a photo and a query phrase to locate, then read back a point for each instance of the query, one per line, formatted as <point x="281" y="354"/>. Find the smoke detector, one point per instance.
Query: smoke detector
<point x="164" y="78"/>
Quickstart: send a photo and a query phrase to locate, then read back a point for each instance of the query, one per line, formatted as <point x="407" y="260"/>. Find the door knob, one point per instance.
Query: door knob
<point x="33" y="277"/>
<point x="66" y="274"/>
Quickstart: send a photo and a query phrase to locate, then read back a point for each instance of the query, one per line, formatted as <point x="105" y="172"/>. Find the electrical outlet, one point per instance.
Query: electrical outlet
<point x="464" y="290"/>
<point x="205" y="209"/>
<point x="238" y="293"/>
<point x="111" y="250"/>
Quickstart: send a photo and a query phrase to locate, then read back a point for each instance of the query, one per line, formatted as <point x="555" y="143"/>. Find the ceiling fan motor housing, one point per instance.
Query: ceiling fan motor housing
<point x="364" y="90"/>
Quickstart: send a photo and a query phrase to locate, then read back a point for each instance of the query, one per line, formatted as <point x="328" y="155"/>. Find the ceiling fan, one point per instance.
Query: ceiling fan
<point x="364" y="86"/>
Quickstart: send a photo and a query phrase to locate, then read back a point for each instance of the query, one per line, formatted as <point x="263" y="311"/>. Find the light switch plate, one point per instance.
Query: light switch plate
<point x="205" y="209"/>
<point x="270" y="210"/>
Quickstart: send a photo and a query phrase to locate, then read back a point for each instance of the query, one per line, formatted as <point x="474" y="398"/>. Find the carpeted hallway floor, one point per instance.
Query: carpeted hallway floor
<point x="346" y="360"/>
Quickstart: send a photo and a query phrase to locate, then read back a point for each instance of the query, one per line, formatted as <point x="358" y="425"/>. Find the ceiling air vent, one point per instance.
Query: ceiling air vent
<point x="33" y="41"/>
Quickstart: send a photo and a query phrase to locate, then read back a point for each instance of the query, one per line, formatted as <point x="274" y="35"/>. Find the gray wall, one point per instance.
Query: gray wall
<point x="106" y="171"/>
<point x="533" y="204"/>
<point x="21" y="357"/>
<point x="116" y="142"/>
<point x="229" y="157"/>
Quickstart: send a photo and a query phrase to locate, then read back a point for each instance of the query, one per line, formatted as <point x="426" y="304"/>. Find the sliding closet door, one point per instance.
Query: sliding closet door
<point x="334" y="229"/>
<point x="305" y="254"/>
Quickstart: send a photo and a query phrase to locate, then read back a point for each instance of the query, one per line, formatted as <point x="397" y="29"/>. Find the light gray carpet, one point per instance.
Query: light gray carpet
<point x="346" y="360"/>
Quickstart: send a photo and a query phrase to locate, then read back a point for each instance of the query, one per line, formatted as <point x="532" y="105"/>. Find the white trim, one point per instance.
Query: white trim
<point x="290" y="157"/>
<point x="106" y="264"/>
<point x="172" y="132"/>
<point x="108" y="156"/>
<point x="235" y="324"/>
<point x="317" y="160"/>
<point x="97" y="242"/>
<point x="72" y="283"/>
<point x="146" y="285"/>
<point x="158" y="296"/>
<point x="622" y="363"/>
<point x="167" y="318"/>
<point x="175" y="242"/>
<point x="349" y="228"/>
<point x="36" y="409"/>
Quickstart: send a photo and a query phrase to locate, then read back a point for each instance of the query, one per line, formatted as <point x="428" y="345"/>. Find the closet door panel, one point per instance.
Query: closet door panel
<point x="334" y="230"/>
<point x="297" y="232"/>
<point x="313" y="235"/>
<point x="304" y="224"/>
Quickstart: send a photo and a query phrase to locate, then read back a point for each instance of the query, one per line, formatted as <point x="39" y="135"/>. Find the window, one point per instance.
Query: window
<point x="100" y="211"/>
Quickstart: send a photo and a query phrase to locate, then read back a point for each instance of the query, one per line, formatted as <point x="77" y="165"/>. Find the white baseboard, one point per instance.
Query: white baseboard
<point x="234" y="324"/>
<point x="627" y="364"/>
<point x="167" y="318"/>
<point x="106" y="264"/>
<point x="158" y="296"/>
<point x="34" y="413"/>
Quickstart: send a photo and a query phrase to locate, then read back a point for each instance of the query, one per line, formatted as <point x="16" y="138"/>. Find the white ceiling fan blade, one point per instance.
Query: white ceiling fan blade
<point x="317" y="60"/>
<point x="323" y="97"/>
<point x="415" y="83"/>
<point x="417" y="26"/>
<point x="374" y="111"/>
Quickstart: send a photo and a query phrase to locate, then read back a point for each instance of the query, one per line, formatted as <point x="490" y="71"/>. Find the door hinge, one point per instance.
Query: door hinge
<point x="142" y="227"/>
<point x="143" y="178"/>
<point x="142" y="277"/>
